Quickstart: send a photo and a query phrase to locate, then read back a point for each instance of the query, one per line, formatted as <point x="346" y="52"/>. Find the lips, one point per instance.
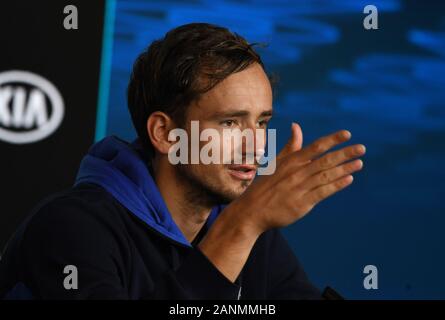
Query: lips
<point x="242" y="171"/>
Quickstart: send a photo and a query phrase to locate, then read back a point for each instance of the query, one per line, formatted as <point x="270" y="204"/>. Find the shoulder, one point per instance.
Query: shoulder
<point x="82" y="213"/>
<point x="76" y="202"/>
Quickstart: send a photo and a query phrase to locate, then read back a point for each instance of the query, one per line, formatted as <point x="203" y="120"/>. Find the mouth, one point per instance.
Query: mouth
<point x="242" y="171"/>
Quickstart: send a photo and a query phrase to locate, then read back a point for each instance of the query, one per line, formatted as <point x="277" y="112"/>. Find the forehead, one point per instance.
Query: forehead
<point x="248" y="90"/>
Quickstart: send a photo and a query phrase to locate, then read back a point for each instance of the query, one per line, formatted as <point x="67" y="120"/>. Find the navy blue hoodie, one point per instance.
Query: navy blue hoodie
<point x="114" y="227"/>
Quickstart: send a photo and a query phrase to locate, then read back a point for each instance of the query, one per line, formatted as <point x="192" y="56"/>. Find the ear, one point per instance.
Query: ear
<point x="159" y="125"/>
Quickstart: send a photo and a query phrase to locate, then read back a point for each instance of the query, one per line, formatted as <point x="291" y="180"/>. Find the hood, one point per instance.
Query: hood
<point x="121" y="169"/>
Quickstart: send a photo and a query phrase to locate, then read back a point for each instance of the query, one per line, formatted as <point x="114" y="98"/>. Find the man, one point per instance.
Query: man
<point x="136" y="226"/>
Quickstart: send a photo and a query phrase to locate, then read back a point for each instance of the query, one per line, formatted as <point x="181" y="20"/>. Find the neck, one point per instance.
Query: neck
<point x="188" y="211"/>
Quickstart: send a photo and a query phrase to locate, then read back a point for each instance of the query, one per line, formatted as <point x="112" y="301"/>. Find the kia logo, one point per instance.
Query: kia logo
<point x="31" y="107"/>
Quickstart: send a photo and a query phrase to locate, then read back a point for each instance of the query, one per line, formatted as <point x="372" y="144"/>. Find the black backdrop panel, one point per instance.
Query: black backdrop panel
<point x="34" y="40"/>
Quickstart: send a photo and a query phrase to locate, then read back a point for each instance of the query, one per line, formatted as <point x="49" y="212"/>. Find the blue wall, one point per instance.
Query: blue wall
<point x="386" y="86"/>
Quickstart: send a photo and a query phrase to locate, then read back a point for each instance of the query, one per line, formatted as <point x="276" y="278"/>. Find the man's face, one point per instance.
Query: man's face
<point x="241" y="101"/>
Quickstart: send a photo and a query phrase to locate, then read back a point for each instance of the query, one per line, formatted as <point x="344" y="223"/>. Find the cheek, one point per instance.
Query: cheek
<point x="220" y="143"/>
<point x="227" y="146"/>
<point x="260" y="140"/>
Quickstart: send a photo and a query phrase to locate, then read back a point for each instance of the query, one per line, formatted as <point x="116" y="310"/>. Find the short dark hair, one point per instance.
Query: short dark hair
<point x="177" y="69"/>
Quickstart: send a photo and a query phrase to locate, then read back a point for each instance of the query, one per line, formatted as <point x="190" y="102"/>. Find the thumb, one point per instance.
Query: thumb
<point x="296" y="140"/>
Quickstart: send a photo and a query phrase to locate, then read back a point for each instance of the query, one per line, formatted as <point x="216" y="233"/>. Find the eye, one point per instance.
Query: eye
<point x="228" y="123"/>
<point x="263" y="123"/>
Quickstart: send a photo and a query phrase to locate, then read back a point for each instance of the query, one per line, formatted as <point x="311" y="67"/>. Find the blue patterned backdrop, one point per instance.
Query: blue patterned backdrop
<point x="386" y="86"/>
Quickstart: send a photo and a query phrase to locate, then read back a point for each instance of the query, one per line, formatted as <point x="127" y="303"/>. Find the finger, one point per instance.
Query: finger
<point x="320" y="146"/>
<point x="318" y="194"/>
<point x="294" y="143"/>
<point x="334" y="159"/>
<point x="332" y="174"/>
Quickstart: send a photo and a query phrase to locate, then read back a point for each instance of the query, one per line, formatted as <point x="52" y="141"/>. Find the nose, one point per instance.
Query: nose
<point x="253" y="146"/>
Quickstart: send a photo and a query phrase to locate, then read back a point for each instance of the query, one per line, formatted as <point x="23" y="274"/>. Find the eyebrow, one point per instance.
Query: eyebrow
<point x="239" y="113"/>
